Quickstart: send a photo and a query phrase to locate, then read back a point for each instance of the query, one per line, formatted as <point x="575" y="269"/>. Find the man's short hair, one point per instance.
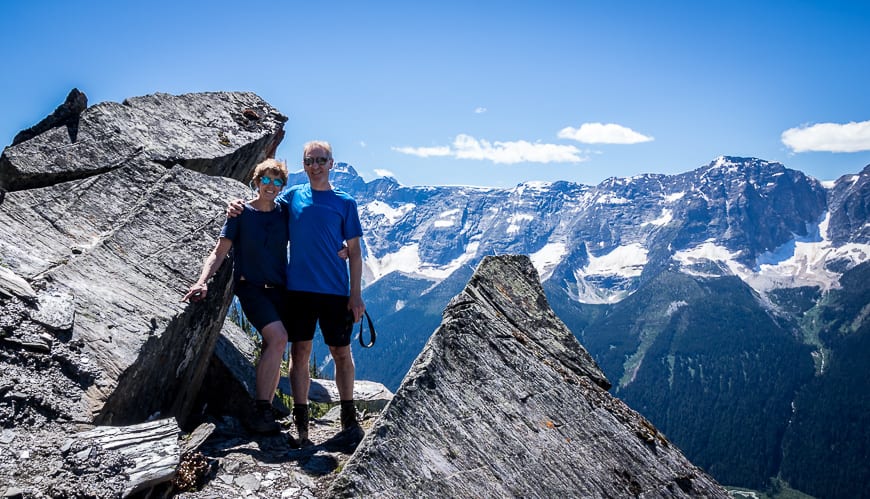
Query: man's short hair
<point x="321" y="144"/>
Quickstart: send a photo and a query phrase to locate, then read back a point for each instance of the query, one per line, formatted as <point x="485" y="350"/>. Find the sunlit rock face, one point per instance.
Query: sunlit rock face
<point x="109" y="213"/>
<point x="504" y="402"/>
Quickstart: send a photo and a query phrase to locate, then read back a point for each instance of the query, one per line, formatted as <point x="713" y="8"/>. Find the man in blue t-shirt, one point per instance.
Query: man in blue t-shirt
<point x="322" y="219"/>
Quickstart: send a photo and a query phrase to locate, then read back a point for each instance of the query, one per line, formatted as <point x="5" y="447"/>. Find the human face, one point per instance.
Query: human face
<point x="269" y="186"/>
<point x="316" y="168"/>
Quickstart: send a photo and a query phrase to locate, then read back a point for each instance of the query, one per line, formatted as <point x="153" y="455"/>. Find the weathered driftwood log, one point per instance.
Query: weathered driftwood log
<point x="152" y="447"/>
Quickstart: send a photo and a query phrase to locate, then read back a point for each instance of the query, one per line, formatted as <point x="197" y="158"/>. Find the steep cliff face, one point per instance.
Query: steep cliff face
<point x="849" y="203"/>
<point x="108" y="226"/>
<point x="504" y="402"/>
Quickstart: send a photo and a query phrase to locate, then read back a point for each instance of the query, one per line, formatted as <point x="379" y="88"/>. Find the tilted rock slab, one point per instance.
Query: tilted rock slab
<point x="110" y="227"/>
<point x="504" y="402"/>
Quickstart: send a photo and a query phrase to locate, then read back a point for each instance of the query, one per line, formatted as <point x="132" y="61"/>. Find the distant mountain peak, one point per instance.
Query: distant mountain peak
<point x="341" y="167"/>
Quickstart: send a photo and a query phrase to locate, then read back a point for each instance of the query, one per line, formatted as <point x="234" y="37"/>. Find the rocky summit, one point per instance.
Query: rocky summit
<point x="504" y="402"/>
<point x="111" y="387"/>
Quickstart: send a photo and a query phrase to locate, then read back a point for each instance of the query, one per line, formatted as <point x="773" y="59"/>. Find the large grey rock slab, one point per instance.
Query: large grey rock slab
<point x="231" y="380"/>
<point x="108" y="241"/>
<point x="368" y="395"/>
<point x="219" y="133"/>
<point x="124" y="246"/>
<point x="504" y="402"/>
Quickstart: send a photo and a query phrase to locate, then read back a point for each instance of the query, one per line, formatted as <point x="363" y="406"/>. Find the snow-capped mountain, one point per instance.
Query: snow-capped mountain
<point x="771" y="226"/>
<point x="721" y="302"/>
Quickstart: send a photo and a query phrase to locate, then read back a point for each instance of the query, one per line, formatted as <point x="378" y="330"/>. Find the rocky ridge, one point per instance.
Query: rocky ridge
<point x="537" y="422"/>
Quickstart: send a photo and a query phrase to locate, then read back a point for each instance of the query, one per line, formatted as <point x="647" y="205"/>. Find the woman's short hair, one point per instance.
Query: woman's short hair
<point x="272" y="167"/>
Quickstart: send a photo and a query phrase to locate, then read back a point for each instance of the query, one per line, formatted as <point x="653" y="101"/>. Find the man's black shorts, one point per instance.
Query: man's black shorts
<point x="262" y="305"/>
<point x="336" y="321"/>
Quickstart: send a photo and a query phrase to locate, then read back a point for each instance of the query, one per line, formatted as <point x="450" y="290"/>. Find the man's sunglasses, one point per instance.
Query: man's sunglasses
<point x="277" y="182"/>
<point x="320" y="160"/>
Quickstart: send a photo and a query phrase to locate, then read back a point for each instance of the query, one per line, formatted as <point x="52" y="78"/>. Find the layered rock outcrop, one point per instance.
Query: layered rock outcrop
<point x="108" y="228"/>
<point x="504" y="402"/>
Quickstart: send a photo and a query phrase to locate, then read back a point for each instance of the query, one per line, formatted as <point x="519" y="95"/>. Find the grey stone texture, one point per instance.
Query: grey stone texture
<point x="504" y="402"/>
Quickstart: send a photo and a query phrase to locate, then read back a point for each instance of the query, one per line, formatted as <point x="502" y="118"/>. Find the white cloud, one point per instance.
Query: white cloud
<point x="384" y="173"/>
<point x="468" y="147"/>
<point x="829" y="137"/>
<point x="362" y="143"/>
<point x="601" y="133"/>
<point x="424" y="152"/>
<point x="479" y="110"/>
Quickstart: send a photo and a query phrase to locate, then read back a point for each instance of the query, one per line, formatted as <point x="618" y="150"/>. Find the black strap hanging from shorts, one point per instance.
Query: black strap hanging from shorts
<point x="371" y="332"/>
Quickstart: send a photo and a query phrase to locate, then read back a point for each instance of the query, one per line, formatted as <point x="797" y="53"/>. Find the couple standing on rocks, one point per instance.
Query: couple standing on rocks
<point x="284" y="294"/>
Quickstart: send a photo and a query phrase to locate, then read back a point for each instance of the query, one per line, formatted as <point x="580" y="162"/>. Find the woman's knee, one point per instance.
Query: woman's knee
<point x="274" y="334"/>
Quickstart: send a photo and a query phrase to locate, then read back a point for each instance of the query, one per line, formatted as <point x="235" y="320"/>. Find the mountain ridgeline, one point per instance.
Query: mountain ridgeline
<point x="728" y="304"/>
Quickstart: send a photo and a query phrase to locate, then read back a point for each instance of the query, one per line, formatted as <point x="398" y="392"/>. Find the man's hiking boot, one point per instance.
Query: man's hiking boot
<point x="348" y="414"/>
<point x="346" y="440"/>
<point x="261" y="418"/>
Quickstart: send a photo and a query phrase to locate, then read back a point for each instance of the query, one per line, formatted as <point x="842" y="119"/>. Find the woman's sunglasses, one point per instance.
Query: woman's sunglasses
<point x="320" y="160"/>
<point x="277" y="182"/>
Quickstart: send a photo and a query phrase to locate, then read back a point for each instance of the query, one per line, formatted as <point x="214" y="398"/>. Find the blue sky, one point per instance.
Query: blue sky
<point x="479" y="93"/>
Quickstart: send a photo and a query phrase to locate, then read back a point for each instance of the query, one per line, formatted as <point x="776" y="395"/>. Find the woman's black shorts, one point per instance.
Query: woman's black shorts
<point x="262" y="305"/>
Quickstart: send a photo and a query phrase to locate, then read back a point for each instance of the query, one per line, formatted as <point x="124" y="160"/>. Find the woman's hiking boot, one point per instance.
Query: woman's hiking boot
<point x="300" y="418"/>
<point x="261" y="419"/>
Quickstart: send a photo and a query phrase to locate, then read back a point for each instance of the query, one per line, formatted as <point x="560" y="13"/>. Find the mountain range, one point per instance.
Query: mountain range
<point x="728" y="304"/>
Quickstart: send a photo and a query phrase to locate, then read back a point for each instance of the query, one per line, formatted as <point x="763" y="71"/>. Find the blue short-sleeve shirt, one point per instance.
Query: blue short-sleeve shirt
<point x="320" y="222"/>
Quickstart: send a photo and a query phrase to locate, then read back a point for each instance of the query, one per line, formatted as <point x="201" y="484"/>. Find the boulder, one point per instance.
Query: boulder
<point x="108" y="230"/>
<point x="504" y="402"/>
<point x="218" y="133"/>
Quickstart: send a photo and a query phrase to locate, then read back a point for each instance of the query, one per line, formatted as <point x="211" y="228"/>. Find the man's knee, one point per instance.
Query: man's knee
<point x="300" y="351"/>
<point x="341" y="354"/>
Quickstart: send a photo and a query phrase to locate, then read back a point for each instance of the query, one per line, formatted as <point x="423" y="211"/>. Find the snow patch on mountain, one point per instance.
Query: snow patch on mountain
<point x="546" y="258"/>
<point x="622" y="261"/>
<point x="801" y="261"/>
<point x="515" y="221"/>
<point x="664" y="219"/>
<point x="446" y="219"/>
<point x="693" y="260"/>
<point x="610" y="198"/>
<point x="407" y="261"/>
<point x="392" y="215"/>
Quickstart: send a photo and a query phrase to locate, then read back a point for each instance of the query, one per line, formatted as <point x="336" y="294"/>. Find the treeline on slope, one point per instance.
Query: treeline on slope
<point x="718" y="375"/>
<point x="830" y="432"/>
